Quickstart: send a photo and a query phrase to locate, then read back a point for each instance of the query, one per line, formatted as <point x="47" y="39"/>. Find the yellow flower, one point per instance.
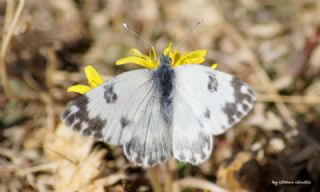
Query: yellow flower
<point x="94" y="80"/>
<point x="194" y="57"/>
<point x="151" y="61"/>
<point x="138" y="58"/>
<point x="214" y="66"/>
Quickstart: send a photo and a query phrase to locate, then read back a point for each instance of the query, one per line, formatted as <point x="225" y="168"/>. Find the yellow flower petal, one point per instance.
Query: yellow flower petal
<point x="135" y="52"/>
<point x="194" y="57"/>
<point x="214" y="66"/>
<point x="150" y="61"/>
<point x="82" y="89"/>
<point x="168" y="50"/>
<point x="175" y="56"/>
<point x="136" y="60"/>
<point x="154" y="55"/>
<point x="93" y="76"/>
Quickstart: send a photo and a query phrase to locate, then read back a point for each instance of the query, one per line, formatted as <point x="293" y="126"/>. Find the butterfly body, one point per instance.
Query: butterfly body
<point x="164" y="79"/>
<point x="157" y="114"/>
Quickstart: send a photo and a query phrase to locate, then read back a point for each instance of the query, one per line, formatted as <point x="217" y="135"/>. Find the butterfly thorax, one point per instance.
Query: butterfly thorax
<point x="164" y="79"/>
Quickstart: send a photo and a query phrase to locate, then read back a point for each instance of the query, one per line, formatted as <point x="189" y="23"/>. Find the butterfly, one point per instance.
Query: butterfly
<point x="171" y="108"/>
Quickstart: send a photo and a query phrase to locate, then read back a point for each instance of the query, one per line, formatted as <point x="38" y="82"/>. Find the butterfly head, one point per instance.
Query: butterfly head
<point x="165" y="60"/>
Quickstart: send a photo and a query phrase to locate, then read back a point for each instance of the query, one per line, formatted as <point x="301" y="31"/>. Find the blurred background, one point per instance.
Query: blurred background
<point x="273" y="45"/>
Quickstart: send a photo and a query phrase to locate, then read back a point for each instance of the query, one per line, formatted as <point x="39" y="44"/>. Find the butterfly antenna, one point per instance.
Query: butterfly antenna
<point x="187" y="33"/>
<point x="126" y="26"/>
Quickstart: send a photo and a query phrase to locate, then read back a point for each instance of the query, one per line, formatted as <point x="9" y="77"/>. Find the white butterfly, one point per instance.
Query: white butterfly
<point x="156" y="114"/>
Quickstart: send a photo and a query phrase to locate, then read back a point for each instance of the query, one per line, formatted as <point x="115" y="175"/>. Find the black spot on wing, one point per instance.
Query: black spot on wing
<point x="197" y="150"/>
<point x="86" y="132"/>
<point x="138" y="159"/>
<point x="201" y="148"/>
<point x="95" y="126"/>
<point x="239" y="114"/>
<point x="239" y="95"/>
<point x="76" y="113"/>
<point x="245" y="107"/>
<point x="204" y="141"/>
<point x="81" y="102"/>
<point x="97" y="134"/>
<point x="182" y="156"/>
<point x="131" y="146"/>
<point x="77" y="125"/>
<point x="242" y="99"/>
<point x="66" y="113"/>
<point x="193" y="160"/>
<point x="207" y="113"/>
<point x="80" y="117"/>
<point x="151" y="162"/>
<point x="142" y="153"/>
<point x="230" y="111"/>
<point x="163" y="158"/>
<point x="124" y="122"/>
<point x="109" y="95"/>
<point x="212" y="83"/>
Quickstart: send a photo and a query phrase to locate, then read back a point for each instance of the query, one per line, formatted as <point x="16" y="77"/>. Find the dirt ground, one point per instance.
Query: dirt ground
<point x="273" y="45"/>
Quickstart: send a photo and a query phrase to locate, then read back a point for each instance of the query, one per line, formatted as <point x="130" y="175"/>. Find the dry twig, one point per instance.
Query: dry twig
<point x="154" y="179"/>
<point x="6" y="43"/>
<point x="196" y="183"/>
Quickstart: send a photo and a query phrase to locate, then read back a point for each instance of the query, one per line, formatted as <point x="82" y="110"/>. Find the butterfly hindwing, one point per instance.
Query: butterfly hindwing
<point x="150" y="143"/>
<point x="190" y="141"/>
<point x="124" y="111"/>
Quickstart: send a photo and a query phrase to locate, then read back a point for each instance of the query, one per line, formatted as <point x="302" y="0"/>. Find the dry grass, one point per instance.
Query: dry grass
<point x="272" y="45"/>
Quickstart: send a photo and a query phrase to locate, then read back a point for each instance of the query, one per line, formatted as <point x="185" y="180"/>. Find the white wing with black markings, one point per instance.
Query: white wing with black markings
<point x="124" y="110"/>
<point x="206" y="102"/>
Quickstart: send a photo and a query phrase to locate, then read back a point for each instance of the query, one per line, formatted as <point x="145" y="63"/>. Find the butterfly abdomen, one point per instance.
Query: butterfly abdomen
<point x="164" y="79"/>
